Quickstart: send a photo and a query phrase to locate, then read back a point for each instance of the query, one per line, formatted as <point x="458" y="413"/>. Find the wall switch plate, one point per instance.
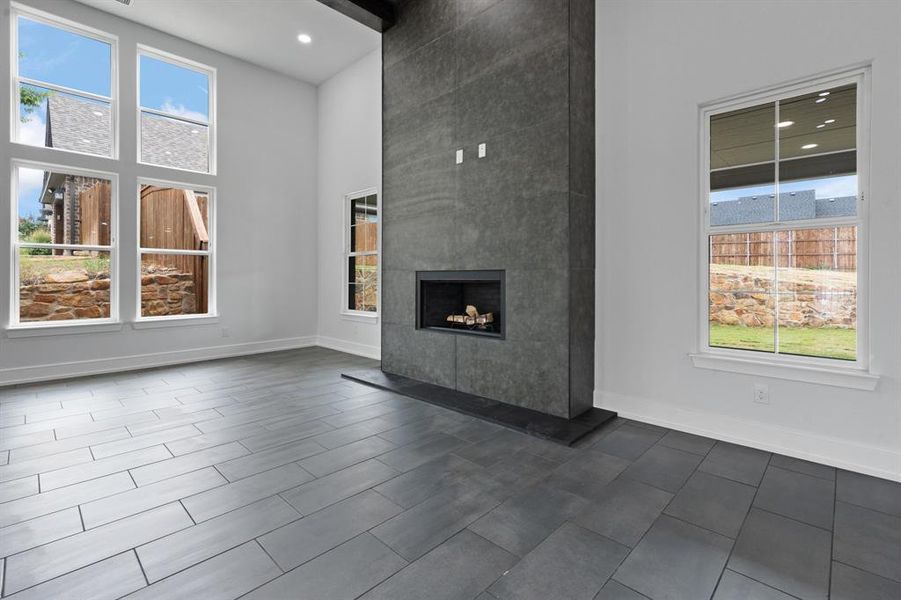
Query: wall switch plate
<point x="482" y="150"/>
<point x="761" y="393"/>
<point x="460" y="156"/>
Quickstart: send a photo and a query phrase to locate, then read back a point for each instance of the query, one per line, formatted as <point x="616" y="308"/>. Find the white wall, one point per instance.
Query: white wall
<point x="266" y="215"/>
<point x="350" y="159"/>
<point x="657" y="61"/>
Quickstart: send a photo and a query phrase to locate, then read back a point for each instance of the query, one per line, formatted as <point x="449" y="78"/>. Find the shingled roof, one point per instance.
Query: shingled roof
<point x="82" y="125"/>
<point x="793" y="206"/>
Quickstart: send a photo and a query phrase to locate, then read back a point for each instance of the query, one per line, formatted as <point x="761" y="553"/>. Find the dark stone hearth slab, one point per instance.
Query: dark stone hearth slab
<point x="548" y="427"/>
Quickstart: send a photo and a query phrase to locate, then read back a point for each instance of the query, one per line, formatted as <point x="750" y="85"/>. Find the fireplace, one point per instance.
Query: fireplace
<point x="461" y="302"/>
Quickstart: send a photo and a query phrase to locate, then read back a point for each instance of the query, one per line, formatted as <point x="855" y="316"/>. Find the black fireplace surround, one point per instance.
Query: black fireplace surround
<point x="443" y="293"/>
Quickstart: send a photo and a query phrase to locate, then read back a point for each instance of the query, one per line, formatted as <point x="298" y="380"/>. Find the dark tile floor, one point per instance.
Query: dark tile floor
<point x="270" y="477"/>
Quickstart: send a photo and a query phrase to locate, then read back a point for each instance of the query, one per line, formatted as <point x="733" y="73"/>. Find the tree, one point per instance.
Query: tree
<point x="30" y="98"/>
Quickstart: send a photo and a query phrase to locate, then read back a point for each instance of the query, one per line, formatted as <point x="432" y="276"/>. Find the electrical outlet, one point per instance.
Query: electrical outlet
<point x="761" y="394"/>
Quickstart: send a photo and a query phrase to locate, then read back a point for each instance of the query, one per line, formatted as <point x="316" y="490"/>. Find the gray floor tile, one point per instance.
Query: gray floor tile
<point x="325" y="491"/>
<point x="790" y="556"/>
<point x="198" y="419"/>
<point x="43" y="464"/>
<point x="739" y="463"/>
<point x="41" y="530"/>
<point x="108" y="579"/>
<point x="735" y="586"/>
<point x="687" y="442"/>
<point x="522" y="522"/>
<point x="57" y="558"/>
<point x="413" y="455"/>
<point x="419" y="529"/>
<point x="869" y="492"/>
<point x="613" y="590"/>
<point x="802" y="497"/>
<point x="136" y="500"/>
<point x="44" y="503"/>
<point x="143" y="441"/>
<point x="444" y="474"/>
<point x="345" y="456"/>
<point x="264" y="460"/>
<point x="220" y="500"/>
<point x="186" y="463"/>
<point x="216" y="438"/>
<point x="315" y="534"/>
<point x="72" y="443"/>
<point x="189" y="547"/>
<point x="849" y="583"/>
<point x="588" y="474"/>
<point x="624" y="510"/>
<point x="662" y="467"/>
<point x="629" y="441"/>
<point x="675" y="560"/>
<point x="868" y="540"/>
<point x="343" y="572"/>
<point x="255" y="443"/>
<point x="713" y="503"/>
<point x="573" y="563"/>
<point x="223" y="577"/>
<point x="458" y="569"/>
<point x="520" y="470"/>
<point x="8" y="441"/>
<point x="802" y="466"/>
<point x="488" y="452"/>
<point x="105" y="466"/>
<point x="351" y="433"/>
<point x="18" y="488"/>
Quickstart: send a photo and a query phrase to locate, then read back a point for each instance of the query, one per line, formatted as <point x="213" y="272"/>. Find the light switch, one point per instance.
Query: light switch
<point x="482" y="150"/>
<point x="460" y="156"/>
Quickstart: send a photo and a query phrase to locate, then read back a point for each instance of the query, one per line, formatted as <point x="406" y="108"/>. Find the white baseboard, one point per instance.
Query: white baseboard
<point x="48" y="372"/>
<point x="844" y="454"/>
<point x="364" y="350"/>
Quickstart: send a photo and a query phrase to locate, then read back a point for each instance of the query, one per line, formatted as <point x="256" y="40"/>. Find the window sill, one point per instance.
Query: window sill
<point x="187" y="321"/>
<point x="57" y="328"/>
<point x="838" y="376"/>
<point x="362" y="317"/>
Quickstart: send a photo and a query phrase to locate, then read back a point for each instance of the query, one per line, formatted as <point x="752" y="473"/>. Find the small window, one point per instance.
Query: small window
<point x="783" y="224"/>
<point x="64" y="247"/>
<point x="176" y="251"/>
<point x="64" y="86"/>
<point x="362" y="250"/>
<point x="175" y="106"/>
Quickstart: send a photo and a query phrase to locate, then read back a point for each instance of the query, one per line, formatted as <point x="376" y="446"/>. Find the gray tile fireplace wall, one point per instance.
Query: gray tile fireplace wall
<point x="517" y="75"/>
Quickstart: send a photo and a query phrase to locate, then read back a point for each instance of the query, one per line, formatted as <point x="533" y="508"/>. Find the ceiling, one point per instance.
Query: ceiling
<point x="263" y="32"/>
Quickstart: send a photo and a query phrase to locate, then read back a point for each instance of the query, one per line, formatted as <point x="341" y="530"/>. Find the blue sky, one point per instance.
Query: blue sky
<point x="67" y="59"/>
<point x="826" y="187"/>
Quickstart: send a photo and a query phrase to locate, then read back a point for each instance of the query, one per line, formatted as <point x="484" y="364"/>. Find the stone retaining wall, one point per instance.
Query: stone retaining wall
<point x="167" y="291"/>
<point x="65" y="296"/>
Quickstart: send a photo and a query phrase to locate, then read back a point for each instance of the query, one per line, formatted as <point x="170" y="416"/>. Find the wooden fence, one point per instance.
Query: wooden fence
<point x="828" y="248"/>
<point x="176" y="219"/>
<point x="94" y="214"/>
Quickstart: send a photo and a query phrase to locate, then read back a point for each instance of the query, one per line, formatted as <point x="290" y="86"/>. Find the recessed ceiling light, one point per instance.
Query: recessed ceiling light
<point x="818" y="100"/>
<point x="304" y="38"/>
<point x="98" y="113"/>
<point x="824" y="94"/>
<point x="195" y="131"/>
<point x="820" y="126"/>
<point x="86" y="140"/>
<point x="786" y="123"/>
<point x="828" y="121"/>
<point x="809" y="146"/>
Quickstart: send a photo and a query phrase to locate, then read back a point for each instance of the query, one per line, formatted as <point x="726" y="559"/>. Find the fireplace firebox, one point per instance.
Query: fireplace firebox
<point x="461" y="302"/>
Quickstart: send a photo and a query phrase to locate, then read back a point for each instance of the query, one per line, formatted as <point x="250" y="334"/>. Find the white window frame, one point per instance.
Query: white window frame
<point x="346" y="254"/>
<point x="18" y="10"/>
<point x="212" y="314"/>
<point x="178" y="61"/>
<point x="812" y="369"/>
<point x="74" y="324"/>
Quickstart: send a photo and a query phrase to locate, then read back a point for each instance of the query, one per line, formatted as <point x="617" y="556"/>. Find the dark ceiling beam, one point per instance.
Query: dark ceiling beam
<point x="375" y="14"/>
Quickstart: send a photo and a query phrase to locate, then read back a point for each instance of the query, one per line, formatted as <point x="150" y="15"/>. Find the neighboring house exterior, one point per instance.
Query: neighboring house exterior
<point x="793" y="206"/>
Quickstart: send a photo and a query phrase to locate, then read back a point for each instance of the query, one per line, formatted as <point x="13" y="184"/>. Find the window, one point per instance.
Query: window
<point x="782" y="223"/>
<point x="175" y="106"/>
<point x="64" y="78"/>
<point x="362" y="251"/>
<point x="64" y="249"/>
<point x="176" y="251"/>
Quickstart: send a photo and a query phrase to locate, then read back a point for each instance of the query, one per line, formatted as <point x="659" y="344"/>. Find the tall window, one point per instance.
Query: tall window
<point x="175" y="108"/>
<point x="65" y="88"/>
<point x="783" y="220"/>
<point x="64" y="248"/>
<point x="176" y="251"/>
<point x="362" y="250"/>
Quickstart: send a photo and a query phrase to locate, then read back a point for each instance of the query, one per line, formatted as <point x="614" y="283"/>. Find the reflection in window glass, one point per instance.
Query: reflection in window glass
<point x="362" y="256"/>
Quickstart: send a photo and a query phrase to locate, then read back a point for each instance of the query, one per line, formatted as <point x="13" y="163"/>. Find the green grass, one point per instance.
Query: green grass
<point x="828" y="342"/>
